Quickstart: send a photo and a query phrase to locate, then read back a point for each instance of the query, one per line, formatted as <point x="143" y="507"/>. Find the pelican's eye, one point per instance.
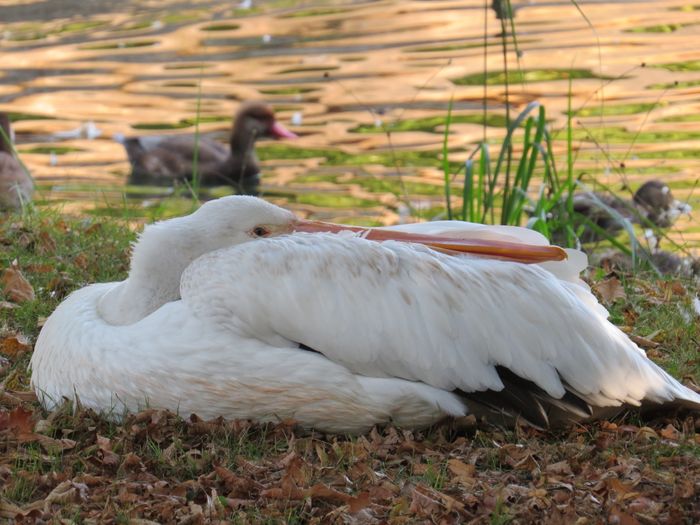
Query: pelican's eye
<point x="260" y="231"/>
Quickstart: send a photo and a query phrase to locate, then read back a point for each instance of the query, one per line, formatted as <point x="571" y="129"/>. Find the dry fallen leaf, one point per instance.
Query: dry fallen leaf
<point x="610" y="290"/>
<point x="6" y="305"/>
<point x="622" y="518"/>
<point x="14" y="345"/>
<point x="670" y="432"/>
<point x="81" y="261"/>
<point x="40" y="268"/>
<point x="461" y="470"/>
<point x="17" y="420"/>
<point x="47" y="244"/>
<point x="15" y="286"/>
<point x="239" y="487"/>
<point x="105" y="454"/>
<point x="561" y="468"/>
<point x="643" y="342"/>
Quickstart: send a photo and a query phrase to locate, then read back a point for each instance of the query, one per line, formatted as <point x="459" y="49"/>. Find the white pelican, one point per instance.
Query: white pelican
<point x="238" y="311"/>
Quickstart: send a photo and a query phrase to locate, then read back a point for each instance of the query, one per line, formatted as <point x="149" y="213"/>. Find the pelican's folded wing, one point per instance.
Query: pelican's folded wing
<point x="397" y="310"/>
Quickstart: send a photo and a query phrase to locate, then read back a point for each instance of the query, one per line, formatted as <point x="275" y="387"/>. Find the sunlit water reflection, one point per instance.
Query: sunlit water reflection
<point x="338" y="74"/>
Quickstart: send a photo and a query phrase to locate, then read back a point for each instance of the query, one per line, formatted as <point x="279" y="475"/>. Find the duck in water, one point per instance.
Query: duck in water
<point x="652" y="206"/>
<point x="162" y="160"/>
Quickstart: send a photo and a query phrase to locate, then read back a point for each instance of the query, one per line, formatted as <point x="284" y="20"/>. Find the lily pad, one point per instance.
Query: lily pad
<point x="315" y="12"/>
<point x="128" y="44"/>
<point x="617" y="109"/>
<point x="292" y="90"/>
<point x="221" y="27"/>
<point x="688" y="65"/>
<point x="48" y="150"/>
<point x="430" y="124"/>
<point x="531" y="75"/>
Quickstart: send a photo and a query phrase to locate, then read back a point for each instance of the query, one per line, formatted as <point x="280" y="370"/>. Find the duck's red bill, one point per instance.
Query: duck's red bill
<point x="510" y="251"/>
<point x="278" y="131"/>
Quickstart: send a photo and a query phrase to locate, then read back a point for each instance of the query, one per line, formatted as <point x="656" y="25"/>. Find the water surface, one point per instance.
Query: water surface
<point x="341" y="74"/>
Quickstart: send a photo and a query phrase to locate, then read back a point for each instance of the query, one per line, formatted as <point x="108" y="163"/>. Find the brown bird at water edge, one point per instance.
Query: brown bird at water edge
<point x="16" y="185"/>
<point x="163" y="160"/>
<point x="652" y="204"/>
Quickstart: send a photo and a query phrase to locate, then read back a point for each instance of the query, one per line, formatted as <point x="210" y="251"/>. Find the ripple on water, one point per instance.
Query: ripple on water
<point x="371" y="83"/>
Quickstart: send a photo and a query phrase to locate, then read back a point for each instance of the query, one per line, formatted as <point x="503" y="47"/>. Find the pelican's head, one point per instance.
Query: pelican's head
<point x="229" y="221"/>
<point x="237" y="219"/>
<point x="166" y="248"/>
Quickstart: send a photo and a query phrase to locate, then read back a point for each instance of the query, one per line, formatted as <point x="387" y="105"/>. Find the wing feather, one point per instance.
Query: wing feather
<point x="399" y="310"/>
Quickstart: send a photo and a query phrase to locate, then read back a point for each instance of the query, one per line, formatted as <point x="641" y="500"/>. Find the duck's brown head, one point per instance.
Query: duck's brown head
<point x="256" y="120"/>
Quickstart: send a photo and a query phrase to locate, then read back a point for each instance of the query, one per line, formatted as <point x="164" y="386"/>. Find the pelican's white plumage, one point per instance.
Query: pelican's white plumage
<point x="216" y="320"/>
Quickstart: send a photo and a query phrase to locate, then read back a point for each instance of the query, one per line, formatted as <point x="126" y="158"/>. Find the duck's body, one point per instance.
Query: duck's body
<point x="652" y="205"/>
<point x="16" y="186"/>
<point x="164" y="160"/>
<point x="340" y="332"/>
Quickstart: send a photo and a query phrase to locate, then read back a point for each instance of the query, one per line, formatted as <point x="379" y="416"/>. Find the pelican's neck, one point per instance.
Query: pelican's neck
<point x="161" y="254"/>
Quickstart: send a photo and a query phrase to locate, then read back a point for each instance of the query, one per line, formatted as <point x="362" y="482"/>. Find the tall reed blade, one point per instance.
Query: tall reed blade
<point x="446" y="161"/>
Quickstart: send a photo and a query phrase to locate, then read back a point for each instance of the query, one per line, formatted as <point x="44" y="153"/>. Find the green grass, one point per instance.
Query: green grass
<point x="495" y="188"/>
<point x="78" y="251"/>
<point x="670" y="322"/>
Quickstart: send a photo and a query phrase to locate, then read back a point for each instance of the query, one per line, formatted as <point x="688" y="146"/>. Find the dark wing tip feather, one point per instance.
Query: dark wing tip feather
<point x="523" y="398"/>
